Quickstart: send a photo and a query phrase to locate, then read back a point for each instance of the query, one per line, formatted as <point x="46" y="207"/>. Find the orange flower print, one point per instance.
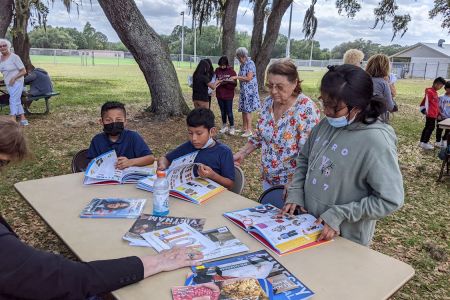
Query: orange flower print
<point x="287" y="135"/>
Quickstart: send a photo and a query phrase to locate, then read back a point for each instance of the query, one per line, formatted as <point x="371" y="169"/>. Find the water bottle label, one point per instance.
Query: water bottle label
<point x="160" y="203"/>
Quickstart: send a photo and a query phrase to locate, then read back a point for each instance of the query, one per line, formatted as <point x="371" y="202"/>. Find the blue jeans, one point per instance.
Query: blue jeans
<point x="226" y="110"/>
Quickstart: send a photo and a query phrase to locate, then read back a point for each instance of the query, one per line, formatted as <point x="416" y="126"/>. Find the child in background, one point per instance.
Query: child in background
<point x="430" y="105"/>
<point x="225" y="94"/>
<point x="216" y="159"/>
<point x="130" y="148"/>
<point x="444" y="113"/>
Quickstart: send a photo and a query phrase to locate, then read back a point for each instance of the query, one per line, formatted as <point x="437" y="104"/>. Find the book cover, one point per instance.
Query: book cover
<point x="102" y="170"/>
<point x="225" y="241"/>
<point x="181" y="235"/>
<point x="113" y="208"/>
<point x="260" y="265"/>
<point x="282" y="234"/>
<point x="211" y="292"/>
<point x="147" y="223"/>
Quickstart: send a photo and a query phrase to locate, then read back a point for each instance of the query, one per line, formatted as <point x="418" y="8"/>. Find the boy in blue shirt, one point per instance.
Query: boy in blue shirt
<point x="130" y="148"/>
<point x="216" y="159"/>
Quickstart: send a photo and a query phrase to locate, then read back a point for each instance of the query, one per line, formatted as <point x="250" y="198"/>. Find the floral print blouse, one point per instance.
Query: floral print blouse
<point x="281" y="141"/>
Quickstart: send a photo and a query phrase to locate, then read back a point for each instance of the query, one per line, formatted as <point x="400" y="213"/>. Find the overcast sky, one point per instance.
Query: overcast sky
<point x="333" y="28"/>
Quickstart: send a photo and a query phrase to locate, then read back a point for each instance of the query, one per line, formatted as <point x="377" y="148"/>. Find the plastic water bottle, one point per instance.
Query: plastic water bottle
<point x="161" y="195"/>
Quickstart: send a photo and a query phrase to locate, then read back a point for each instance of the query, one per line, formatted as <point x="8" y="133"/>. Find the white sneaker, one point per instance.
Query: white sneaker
<point x="426" y="146"/>
<point x="224" y="129"/>
<point x="232" y="131"/>
<point x="438" y="144"/>
<point x="247" y="134"/>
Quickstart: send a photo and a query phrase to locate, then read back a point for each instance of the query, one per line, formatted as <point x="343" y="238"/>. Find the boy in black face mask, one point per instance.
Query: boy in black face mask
<point x="130" y="148"/>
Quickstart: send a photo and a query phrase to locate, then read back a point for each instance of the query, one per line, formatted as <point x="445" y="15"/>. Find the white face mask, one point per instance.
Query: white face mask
<point x="341" y="121"/>
<point x="209" y="143"/>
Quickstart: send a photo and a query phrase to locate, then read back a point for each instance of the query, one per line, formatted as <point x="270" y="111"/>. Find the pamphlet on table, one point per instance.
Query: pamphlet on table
<point x="258" y="265"/>
<point x="229" y="289"/>
<point x="147" y="223"/>
<point x="226" y="243"/>
<point x="183" y="183"/>
<point x="113" y="208"/>
<point x="102" y="170"/>
<point x="281" y="234"/>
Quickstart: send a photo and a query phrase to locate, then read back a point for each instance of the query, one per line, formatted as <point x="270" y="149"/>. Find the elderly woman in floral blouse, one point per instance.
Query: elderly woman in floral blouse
<point x="286" y="119"/>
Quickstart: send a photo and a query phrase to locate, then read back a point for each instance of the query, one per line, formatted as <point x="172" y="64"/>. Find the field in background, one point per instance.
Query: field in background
<point x="417" y="234"/>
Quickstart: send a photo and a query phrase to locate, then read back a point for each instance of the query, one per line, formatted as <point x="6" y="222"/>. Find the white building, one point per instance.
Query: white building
<point x="423" y="60"/>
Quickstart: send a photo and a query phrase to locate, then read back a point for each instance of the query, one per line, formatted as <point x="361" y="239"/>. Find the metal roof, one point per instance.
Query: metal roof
<point x="444" y="50"/>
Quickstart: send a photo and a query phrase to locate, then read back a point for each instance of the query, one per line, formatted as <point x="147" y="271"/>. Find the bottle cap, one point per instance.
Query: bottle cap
<point x="160" y="174"/>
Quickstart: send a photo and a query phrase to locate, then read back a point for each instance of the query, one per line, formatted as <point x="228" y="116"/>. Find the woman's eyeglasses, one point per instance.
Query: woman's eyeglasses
<point x="329" y="106"/>
<point x="278" y="87"/>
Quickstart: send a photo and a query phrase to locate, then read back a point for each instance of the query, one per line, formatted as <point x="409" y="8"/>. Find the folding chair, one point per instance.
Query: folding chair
<point x="239" y="180"/>
<point x="80" y="161"/>
<point x="273" y="195"/>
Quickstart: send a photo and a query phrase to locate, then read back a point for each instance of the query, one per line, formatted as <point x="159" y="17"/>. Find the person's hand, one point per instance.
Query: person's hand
<point x="176" y="258"/>
<point x="163" y="163"/>
<point x="205" y="171"/>
<point x="238" y="158"/>
<point x="234" y="77"/>
<point x="123" y="162"/>
<point x="289" y="208"/>
<point x="328" y="233"/>
<point x="12" y="81"/>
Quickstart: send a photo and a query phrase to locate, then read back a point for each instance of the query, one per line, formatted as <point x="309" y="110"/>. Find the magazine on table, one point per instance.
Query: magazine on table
<point x="147" y="223"/>
<point x="259" y="265"/>
<point x="225" y="241"/>
<point x="183" y="183"/>
<point x="102" y="170"/>
<point x="229" y="289"/>
<point x="113" y="208"/>
<point x="181" y="235"/>
<point x="285" y="234"/>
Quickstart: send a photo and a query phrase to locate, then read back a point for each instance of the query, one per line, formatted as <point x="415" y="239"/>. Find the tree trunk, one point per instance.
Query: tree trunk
<point x="258" y="27"/>
<point x="229" y="29"/>
<point x="151" y="54"/>
<point x="20" y="40"/>
<point x="262" y="51"/>
<point x="6" y="13"/>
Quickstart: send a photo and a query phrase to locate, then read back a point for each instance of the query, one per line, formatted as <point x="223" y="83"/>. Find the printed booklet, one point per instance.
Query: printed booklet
<point x="182" y="182"/>
<point x="102" y="170"/>
<point x="282" y="235"/>
<point x="113" y="208"/>
<point x="230" y="289"/>
<point x="259" y="265"/>
<point x="147" y="223"/>
<point x="226" y="243"/>
<point x="181" y="235"/>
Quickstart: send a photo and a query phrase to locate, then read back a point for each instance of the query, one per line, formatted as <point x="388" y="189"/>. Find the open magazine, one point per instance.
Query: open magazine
<point x="230" y="289"/>
<point x="181" y="235"/>
<point x="282" y="235"/>
<point x="182" y="182"/>
<point x="113" y="208"/>
<point x="147" y="223"/>
<point x="102" y="170"/>
<point x="259" y="265"/>
<point x="225" y="241"/>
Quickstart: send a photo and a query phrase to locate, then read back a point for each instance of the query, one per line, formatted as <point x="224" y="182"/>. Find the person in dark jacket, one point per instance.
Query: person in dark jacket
<point x="225" y="94"/>
<point x="201" y="81"/>
<point x="39" y="81"/>
<point x="27" y="273"/>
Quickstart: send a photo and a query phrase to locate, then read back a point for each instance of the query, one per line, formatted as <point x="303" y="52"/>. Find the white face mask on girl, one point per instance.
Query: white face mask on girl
<point x="341" y="121"/>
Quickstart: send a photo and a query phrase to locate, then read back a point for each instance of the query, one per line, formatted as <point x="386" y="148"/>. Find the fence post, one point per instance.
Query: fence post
<point x="425" y="72"/>
<point x="54" y="56"/>
<point x="412" y="71"/>
<point x="93" y="63"/>
<point x="437" y="70"/>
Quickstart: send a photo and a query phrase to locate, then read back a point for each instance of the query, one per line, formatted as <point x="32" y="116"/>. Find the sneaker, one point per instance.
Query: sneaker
<point x="426" y="146"/>
<point x="232" y="131"/>
<point x="247" y="134"/>
<point x="24" y="122"/>
<point x="224" y="129"/>
<point x="438" y="144"/>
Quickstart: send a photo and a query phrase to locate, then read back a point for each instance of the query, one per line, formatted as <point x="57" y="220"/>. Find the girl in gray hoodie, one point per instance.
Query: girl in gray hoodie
<point x="347" y="172"/>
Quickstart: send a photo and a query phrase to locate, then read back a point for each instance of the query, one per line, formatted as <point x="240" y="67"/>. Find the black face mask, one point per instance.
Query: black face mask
<point x="113" y="129"/>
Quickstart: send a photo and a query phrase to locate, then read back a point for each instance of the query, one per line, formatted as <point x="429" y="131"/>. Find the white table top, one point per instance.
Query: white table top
<point x="337" y="270"/>
<point x="445" y="123"/>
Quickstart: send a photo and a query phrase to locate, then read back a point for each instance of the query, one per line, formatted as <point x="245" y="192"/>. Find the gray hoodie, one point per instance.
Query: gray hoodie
<point x="39" y="81"/>
<point x="349" y="177"/>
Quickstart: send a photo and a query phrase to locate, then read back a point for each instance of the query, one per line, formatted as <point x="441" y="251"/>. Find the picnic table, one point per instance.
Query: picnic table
<point x="26" y="100"/>
<point x="339" y="269"/>
<point x="445" y="168"/>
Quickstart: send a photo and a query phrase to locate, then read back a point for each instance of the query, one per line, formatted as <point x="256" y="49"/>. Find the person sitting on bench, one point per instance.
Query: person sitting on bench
<point x="39" y="81"/>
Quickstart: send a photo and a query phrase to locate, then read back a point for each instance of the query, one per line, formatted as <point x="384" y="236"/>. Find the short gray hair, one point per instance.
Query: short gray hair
<point x="8" y="43"/>
<point x="242" y="52"/>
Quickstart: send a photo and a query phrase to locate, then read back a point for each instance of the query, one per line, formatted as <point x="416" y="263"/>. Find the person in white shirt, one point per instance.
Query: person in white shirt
<point x="13" y="70"/>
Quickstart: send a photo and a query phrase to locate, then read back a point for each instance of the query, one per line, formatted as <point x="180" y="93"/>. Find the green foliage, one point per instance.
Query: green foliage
<point x="367" y="47"/>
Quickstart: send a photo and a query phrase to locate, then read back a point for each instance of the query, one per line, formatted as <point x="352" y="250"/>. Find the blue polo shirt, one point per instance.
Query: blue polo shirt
<point x="130" y="144"/>
<point x="218" y="157"/>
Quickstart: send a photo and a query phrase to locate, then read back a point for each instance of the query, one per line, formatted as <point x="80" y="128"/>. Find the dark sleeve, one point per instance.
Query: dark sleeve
<point x="140" y="146"/>
<point x="30" y="78"/>
<point x="32" y="274"/>
<point x="227" y="164"/>
<point x="93" y="150"/>
<point x="181" y="150"/>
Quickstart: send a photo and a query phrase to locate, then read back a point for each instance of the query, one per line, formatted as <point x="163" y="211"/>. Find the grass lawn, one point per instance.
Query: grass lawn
<point x="418" y="234"/>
